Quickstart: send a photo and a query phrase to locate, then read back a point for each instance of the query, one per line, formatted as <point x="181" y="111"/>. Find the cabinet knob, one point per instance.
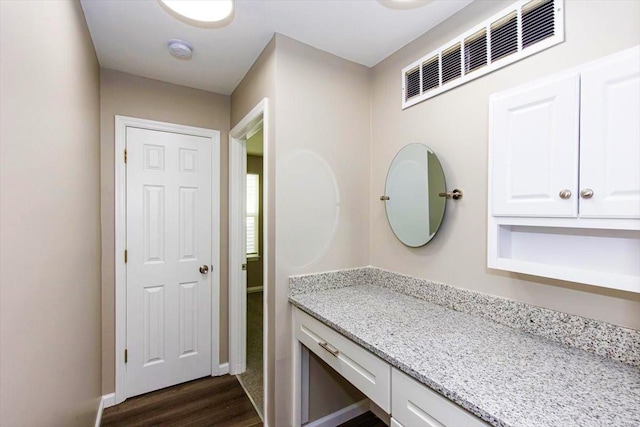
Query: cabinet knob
<point x="565" y="194"/>
<point x="587" y="193"/>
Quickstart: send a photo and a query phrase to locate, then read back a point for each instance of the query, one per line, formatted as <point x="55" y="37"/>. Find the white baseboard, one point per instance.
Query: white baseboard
<point x="99" y="414"/>
<point x="223" y="369"/>
<point x="109" y="400"/>
<point x="105" y="401"/>
<point x="341" y="416"/>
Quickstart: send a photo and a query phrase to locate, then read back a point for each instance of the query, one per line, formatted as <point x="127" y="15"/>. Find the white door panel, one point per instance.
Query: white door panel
<point x="610" y="138"/>
<point x="168" y="238"/>
<point x="534" y="144"/>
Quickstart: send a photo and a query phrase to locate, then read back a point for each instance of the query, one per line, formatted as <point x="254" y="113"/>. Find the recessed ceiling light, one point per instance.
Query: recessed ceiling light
<point x="206" y="11"/>
<point x="404" y="4"/>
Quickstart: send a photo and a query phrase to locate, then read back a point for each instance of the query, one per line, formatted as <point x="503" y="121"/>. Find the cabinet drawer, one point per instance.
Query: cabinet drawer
<point x="416" y="405"/>
<point x="367" y="372"/>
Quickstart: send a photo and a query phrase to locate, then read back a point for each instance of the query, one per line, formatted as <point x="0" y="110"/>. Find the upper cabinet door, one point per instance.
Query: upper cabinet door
<point x="534" y="149"/>
<point x="610" y="138"/>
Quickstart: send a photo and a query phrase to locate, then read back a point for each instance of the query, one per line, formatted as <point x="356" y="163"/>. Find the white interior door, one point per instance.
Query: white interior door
<point x="169" y="234"/>
<point x="534" y="149"/>
<point x="610" y="138"/>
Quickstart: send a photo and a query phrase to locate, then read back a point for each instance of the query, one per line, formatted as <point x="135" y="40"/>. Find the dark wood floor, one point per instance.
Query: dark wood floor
<point x="365" y="420"/>
<point x="211" y="401"/>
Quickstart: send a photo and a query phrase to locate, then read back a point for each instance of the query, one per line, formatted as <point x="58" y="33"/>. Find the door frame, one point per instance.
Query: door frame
<point x="121" y="125"/>
<point x="259" y="115"/>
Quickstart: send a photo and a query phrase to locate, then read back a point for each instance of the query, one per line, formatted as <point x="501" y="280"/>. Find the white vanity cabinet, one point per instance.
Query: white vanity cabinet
<point x="370" y="374"/>
<point x="410" y="403"/>
<point x="564" y="175"/>
<point x="415" y="405"/>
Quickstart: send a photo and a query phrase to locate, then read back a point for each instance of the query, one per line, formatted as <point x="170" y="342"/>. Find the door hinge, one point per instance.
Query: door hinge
<point x="126" y="256"/>
<point x="126" y="355"/>
<point x="125" y="155"/>
<point x="244" y="267"/>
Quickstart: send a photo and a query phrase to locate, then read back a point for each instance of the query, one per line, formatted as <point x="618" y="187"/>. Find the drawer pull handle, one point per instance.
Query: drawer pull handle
<point x="334" y="351"/>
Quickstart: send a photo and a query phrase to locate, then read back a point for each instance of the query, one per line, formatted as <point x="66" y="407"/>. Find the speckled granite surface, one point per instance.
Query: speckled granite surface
<point x="503" y="375"/>
<point x="600" y="338"/>
<point x="306" y="283"/>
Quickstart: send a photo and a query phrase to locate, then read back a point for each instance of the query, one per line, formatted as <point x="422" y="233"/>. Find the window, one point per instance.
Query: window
<point x="253" y="211"/>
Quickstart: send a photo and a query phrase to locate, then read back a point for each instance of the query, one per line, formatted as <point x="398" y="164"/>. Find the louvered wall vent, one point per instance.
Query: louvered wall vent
<point x="522" y="29"/>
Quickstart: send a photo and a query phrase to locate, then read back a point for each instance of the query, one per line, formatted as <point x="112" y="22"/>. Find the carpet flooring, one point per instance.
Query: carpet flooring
<point x="252" y="379"/>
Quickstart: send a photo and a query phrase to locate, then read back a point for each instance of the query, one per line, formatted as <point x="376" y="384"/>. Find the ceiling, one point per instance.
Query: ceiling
<point x="132" y="36"/>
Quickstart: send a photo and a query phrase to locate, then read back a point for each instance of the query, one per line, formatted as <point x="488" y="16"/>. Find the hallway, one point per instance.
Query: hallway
<point x="252" y="378"/>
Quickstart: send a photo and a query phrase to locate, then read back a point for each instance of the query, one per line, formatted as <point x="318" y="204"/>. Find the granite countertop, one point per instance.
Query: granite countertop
<point x="505" y="376"/>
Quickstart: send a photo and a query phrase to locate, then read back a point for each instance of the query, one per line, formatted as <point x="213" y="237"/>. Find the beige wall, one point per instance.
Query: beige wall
<point x="322" y="131"/>
<point x="326" y="119"/>
<point x="50" y="216"/>
<point x="454" y="124"/>
<point x="128" y="95"/>
<point x="257" y="84"/>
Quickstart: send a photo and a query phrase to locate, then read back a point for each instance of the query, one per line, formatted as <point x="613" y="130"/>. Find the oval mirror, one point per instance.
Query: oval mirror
<point x="414" y="208"/>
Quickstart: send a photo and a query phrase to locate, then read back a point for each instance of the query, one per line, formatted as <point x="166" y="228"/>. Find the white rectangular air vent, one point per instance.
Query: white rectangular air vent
<point x="523" y="29"/>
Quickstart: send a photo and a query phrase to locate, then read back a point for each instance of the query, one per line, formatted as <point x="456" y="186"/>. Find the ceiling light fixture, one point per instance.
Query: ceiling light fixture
<point x="211" y="13"/>
<point x="404" y="4"/>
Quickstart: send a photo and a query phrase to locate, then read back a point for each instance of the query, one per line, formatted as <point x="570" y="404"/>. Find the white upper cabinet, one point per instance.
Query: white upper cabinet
<point x="534" y="151"/>
<point x="541" y="132"/>
<point x="610" y="138"/>
<point x="564" y="175"/>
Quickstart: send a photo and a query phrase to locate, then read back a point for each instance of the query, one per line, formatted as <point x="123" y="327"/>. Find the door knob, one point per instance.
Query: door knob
<point x="587" y="193"/>
<point x="204" y="269"/>
<point x="565" y="194"/>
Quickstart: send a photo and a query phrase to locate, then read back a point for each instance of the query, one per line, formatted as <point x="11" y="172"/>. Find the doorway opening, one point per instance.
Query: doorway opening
<point x="252" y="378"/>
<point x="248" y="254"/>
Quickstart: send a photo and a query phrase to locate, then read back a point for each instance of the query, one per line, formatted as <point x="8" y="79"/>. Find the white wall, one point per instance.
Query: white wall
<point x="49" y="216"/>
<point x="454" y="124"/>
